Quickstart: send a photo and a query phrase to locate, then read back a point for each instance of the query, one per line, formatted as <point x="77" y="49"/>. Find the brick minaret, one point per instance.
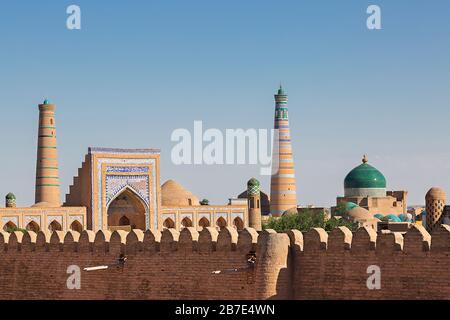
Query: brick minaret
<point x="435" y="205"/>
<point x="283" y="186"/>
<point x="254" y="204"/>
<point x="47" y="174"/>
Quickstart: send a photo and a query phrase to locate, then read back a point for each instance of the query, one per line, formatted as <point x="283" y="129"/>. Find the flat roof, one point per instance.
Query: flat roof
<point x="93" y="150"/>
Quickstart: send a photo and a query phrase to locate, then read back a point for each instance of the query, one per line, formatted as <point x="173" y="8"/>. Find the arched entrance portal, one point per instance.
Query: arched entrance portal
<point x="126" y="212"/>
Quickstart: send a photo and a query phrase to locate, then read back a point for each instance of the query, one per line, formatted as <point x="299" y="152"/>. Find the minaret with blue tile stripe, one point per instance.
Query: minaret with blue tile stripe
<point x="283" y="195"/>
<point x="47" y="173"/>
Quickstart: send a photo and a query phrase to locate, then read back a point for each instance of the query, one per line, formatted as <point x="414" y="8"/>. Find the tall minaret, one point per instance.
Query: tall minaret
<point x="47" y="173"/>
<point x="283" y="186"/>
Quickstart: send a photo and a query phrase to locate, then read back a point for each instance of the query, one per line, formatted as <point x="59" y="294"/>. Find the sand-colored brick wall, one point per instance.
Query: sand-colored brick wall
<point x="179" y="265"/>
<point x="171" y="265"/>
<point x="334" y="266"/>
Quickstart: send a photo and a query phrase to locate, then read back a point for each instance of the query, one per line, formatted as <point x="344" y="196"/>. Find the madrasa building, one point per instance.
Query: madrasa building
<point x="365" y="189"/>
<point x="115" y="189"/>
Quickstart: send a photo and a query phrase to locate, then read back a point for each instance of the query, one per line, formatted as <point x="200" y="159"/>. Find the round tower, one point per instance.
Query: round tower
<point x="254" y="204"/>
<point x="10" y="200"/>
<point x="47" y="173"/>
<point x="283" y="193"/>
<point x="435" y="204"/>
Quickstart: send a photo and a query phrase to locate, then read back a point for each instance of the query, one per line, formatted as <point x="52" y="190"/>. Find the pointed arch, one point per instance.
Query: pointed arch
<point x="238" y="223"/>
<point x="127" y="208"/>
<point x="54" y="226"/>
<point x="124" y="221"/>
<point x="203" y="223"/>
<point x="122" y="190"/>
<point x="76" y="226"/>
<point x="33" y="226"/>
<point x="169" y="224"/>
<point x="10" y="226"/>
<point x="221" y="223"/>
<point x="186" y="222"/>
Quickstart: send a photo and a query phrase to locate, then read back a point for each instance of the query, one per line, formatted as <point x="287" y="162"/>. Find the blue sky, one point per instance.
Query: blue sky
<point x="137" y="70"/>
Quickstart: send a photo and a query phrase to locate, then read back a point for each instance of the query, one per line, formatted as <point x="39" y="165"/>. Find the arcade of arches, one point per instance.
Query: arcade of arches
<point x="204" y="223"/>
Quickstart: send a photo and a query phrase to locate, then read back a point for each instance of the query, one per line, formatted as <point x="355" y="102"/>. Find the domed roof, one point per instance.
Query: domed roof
<point x="405" y="217"/>
<point x="378" y="216"/>
<point x="253" y="186"/>
<point x="359" y="213"/>
<point x="10" y="196"/>
<point x="435" y="193"/>
<point x="393" y="218"/>
<point x="365" y="176"/>
<point x="350" y="205"/>
<point x="173" y="194"/>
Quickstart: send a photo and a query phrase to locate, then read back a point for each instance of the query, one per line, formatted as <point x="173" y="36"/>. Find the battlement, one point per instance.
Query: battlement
<point x="416" y="239"/>
<point x="121" y="242"/>
<point x="228" y="239"/>
<point x="213" y="264"/>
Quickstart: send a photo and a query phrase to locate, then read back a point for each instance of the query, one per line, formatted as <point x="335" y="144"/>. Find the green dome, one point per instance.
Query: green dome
<point x="253" y="186"/>
<point x="364" y="176"/>
<point x="10" y="196"/>
<point x="350" y="205"/>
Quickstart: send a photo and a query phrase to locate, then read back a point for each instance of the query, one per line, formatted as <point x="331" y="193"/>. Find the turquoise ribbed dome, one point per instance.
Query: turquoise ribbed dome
<point x="378" y="216"/>
<point x="393" y="218"/>
<point x="350" y="205"/>
<point x="364" y="176"/>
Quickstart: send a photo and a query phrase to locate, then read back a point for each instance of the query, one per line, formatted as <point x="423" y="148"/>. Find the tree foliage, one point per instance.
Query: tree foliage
<point x="14" y="229"/>
<point x="305" y="221"/>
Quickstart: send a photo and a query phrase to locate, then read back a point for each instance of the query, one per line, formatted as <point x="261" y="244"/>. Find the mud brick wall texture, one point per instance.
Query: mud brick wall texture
<point x="179" y="265"/>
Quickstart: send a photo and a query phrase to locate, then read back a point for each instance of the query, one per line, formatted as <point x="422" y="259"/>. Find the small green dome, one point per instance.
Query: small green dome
<point x="350" y="205"/>
<point x="378" y="216"/>
<point x="10" y="196"/>
<point x="393" y="218"/>
<point x="46" y="101"/>
<point x="253" y="186"/>
<point x="365" y="176"/>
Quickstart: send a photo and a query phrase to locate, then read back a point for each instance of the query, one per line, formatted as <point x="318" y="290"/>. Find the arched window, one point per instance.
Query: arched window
<point x="55" y="226"/>
<point x="76" y="226"/>
<point x="221" y="223"/>
<point x="33" y="226"/>
<point x="169" y="224"/>
<point x="204" y="223"/>
<point x="10" y="227"/>
<point x="238" y="224"/>
<point x="186" y="222"/>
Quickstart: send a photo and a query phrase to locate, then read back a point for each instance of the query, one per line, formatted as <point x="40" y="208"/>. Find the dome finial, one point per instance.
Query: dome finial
<point x="365" y="159"/>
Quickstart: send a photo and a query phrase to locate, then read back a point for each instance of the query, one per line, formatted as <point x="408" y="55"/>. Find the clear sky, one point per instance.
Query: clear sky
<point x="137" y="70"/>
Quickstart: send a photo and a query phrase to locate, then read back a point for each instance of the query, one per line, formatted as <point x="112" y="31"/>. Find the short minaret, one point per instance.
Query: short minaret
<point x="254" y="204"/>
<point x="283" y="194"/>
<point x="10" y="200"/>
<point x="435" y="205"/>
<point x="47" y="173"/>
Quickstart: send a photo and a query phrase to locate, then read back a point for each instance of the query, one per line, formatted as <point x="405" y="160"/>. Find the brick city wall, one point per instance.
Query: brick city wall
<point x="174" y="265"/>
